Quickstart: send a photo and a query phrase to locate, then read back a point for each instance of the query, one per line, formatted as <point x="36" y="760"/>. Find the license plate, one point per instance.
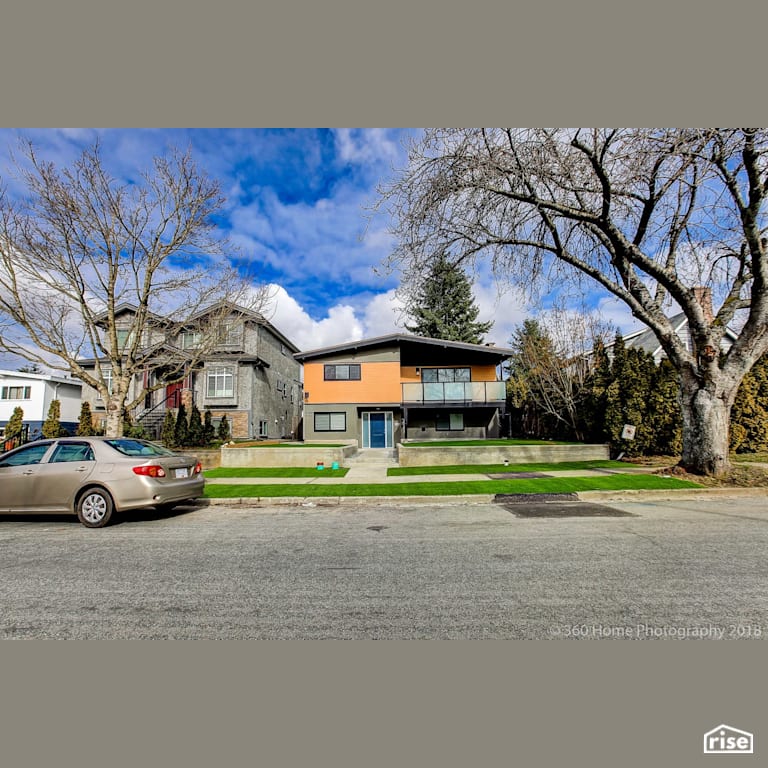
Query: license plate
<point x="183" y="472"/>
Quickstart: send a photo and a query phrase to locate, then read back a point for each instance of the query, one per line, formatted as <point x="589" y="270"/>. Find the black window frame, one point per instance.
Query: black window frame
<point x="335" y="366"/>
<point x="329" y="414"/>
<point x="449" y="428"/>
<point x="453" y="370"/>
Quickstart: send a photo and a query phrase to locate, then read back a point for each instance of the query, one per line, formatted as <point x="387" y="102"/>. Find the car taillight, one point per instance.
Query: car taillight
<point x="198" y="468"/>
<point x="151" y="470"/>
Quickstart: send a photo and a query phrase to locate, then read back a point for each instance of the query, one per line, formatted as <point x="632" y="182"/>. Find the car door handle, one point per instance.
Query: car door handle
<point x="81" y="469"/>
<point x="28" y="472"/>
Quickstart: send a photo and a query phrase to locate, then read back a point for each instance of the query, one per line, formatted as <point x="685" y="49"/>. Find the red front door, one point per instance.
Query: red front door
<point x="173" y="395"/>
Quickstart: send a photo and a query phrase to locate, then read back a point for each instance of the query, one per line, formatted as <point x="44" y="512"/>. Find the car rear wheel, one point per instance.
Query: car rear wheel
<point x="94" y="508"/>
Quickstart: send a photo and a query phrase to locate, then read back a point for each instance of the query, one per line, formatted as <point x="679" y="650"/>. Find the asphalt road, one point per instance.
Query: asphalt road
<point x="373" y="570"/>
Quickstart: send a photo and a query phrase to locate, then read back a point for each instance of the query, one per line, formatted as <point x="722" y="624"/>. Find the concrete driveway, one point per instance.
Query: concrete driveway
<point x="689" y="569"/>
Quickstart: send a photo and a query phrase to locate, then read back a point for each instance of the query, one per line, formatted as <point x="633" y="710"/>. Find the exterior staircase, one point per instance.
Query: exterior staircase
<point x="370" y="465"/>
<point x="152" y="421"/>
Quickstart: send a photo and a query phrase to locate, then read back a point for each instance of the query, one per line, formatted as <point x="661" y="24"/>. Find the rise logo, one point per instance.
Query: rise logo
<point x="725" y="740"/>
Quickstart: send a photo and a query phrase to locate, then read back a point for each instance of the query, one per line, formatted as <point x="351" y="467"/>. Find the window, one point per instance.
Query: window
<point x="349" y="372"/>
<point x="72" y="452"/>
<point x="106" y="374"/>
<point x="31" y="454"/>
<point x="130" y="447"/>
<point x="282" y="388"/>
<point x="124" y="338"/>
<point x="331" y="422"/>
<point x="263" y="428"/>
<point x="231" y="334"/>
<point x="434" y="375"/>
<point x="16" y="393"/>
<point x="453" y="422"/>
<point x="221" y="383"/>
<point x="190" y="339"/>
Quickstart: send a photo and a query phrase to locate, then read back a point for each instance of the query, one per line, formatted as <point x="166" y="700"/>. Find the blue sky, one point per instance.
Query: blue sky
<point x="296" y="209"/>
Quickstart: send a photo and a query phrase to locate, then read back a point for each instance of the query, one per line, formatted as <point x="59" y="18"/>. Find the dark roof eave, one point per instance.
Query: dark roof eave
<point x="401" y="338"/>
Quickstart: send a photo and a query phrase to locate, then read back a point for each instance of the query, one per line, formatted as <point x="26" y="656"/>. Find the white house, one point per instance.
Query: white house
<point x="33" y="392"/>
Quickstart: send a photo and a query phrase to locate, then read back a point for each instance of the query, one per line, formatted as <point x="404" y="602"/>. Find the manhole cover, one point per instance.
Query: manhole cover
<point x="557" y="507"/>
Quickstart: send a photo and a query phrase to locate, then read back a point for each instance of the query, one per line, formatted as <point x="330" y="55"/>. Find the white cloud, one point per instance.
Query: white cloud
<point x="290" y="318"/>
<point x="365" y="145"/>
<point x="506" y="306"/>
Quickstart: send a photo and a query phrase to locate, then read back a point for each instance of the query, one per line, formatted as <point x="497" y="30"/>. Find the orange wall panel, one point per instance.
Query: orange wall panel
<point x="379" y="383"/>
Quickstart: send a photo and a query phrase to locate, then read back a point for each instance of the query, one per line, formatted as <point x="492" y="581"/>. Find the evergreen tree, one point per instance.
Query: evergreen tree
<point x="181" y="431"/>
<point x="749" y="415"/>
<point x="209" y="432"/>
<point x="223" y="431"/>
<point x="85" y="424"/>
<point x="168" y="430"/>
<point x="15" y="424"/>
<point x="195" y="430"/>
<point x="594" y="407"/>
<point x="52" y="425"/>
<point x="664" y="417"/>
<point x="443" y="307"/>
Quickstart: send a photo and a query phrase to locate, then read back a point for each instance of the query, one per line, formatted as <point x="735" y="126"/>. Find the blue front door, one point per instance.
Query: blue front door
<point x="378" y="430"/>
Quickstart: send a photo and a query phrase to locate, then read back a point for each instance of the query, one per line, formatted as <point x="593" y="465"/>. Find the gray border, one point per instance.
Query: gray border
<point x="509" y="703"/>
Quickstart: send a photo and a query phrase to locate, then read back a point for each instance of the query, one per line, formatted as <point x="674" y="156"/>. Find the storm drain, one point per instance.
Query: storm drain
<point x="556" y="505"/>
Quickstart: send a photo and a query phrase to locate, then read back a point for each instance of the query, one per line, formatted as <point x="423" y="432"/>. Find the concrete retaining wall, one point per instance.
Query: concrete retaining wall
<point x="234" y="456"/>
<point x="441" y="455"/>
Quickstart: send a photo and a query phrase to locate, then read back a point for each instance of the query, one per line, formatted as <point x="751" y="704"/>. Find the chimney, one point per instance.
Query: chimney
<point x="704" y="297"/>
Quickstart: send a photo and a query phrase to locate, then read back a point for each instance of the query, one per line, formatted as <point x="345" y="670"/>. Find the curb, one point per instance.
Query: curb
<point x="334" y="501"/>
<point x="674" y="494"/>
<point x="681" y="494"/>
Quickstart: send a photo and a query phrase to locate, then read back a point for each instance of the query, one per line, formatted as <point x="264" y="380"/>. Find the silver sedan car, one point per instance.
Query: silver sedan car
<point x="94" y="476"/>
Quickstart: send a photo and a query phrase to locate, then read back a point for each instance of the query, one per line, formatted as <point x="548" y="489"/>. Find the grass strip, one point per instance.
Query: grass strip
<point x="485" y="469"/>
<point x="275" y="472"/>
<point x="267" y="444"/>
<point x="463" y="443"/>
<point x="543" y="485"/>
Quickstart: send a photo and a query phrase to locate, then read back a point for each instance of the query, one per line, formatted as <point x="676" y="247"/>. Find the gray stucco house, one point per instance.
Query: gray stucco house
<point x="250" y="376"/>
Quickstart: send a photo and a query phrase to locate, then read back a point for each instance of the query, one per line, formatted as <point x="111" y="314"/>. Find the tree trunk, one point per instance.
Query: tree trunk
<point x="706" y="412"/>
<point x="114" y="426"/>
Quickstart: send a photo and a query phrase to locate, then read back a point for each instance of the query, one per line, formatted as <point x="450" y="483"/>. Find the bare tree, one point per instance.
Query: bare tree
<point x="94" y="267"/>
<point x="551" y="365"/>
<point x="649" y="215"/>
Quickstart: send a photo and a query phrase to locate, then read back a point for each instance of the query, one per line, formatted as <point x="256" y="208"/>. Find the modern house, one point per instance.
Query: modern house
<point x="33" y="392"/>
<point x="383" y="390"/>
<point x="250" y="375"/>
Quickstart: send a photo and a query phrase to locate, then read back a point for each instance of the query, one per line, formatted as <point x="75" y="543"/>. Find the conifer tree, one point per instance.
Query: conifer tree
<point x="749" y="415"/>
<point x="209" y="432"/>
<point x="223" y="431"/>
<point x="85" y="423"/>
<point x="168" y="430"/>
<point x="15" y="424"/>
<point x="195" y="429"/>
<point x="181" y="431"/>
<point x="52" y="425"/>
<point x="664" y="417"/>
<point x="442" y="305"/>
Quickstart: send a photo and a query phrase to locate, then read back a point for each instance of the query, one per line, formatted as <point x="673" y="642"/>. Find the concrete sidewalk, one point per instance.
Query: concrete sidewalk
<point x="377" y="474"/>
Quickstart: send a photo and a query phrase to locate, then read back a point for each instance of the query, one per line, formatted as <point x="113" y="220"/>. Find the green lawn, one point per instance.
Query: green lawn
<point x="493" y="469"/>
<point x="288" y="445"/>
<point x="543" y="485"/>
<point x="462" y="443"/>
<point x="275" y="472"/>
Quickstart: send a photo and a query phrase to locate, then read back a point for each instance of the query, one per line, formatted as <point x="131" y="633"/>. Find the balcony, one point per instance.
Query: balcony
<point x="455" y="393"/>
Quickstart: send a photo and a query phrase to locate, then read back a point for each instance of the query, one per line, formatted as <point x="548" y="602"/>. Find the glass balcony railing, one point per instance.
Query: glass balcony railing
<point x="470" y="392"/>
